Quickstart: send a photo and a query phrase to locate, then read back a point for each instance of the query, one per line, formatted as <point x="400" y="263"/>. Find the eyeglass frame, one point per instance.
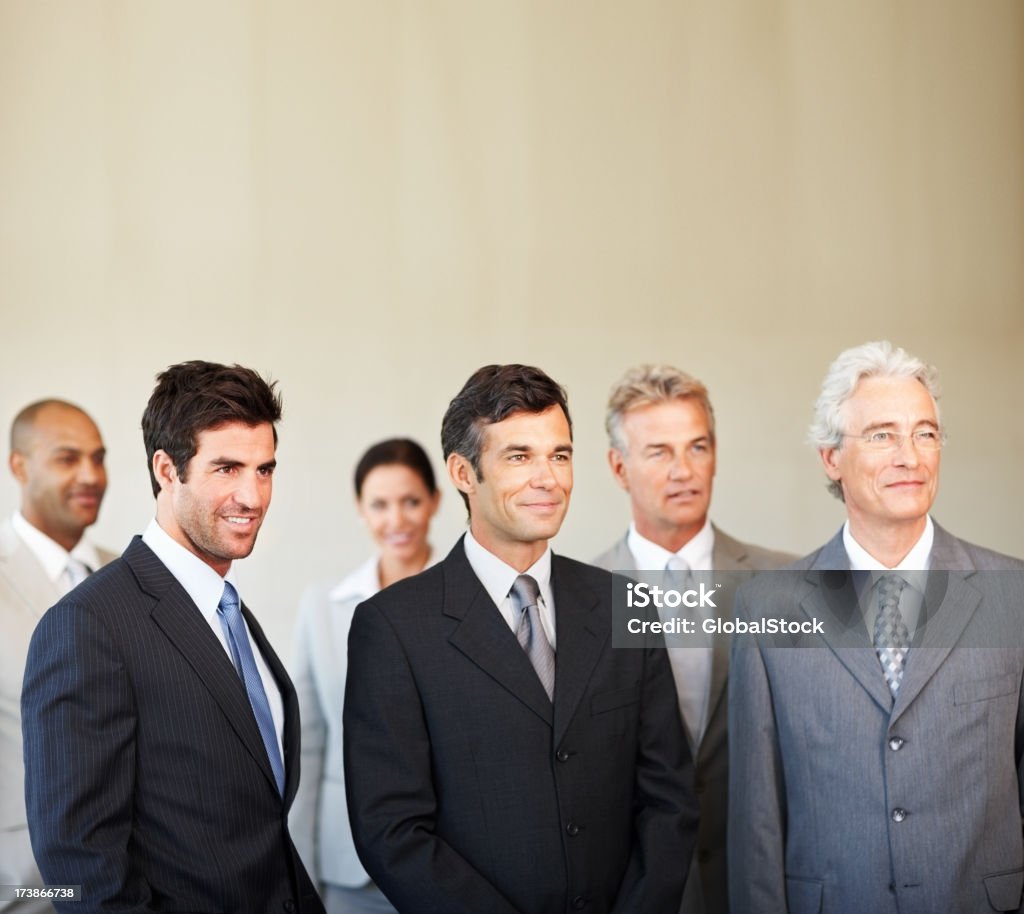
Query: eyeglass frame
<point x="898" y="439"/>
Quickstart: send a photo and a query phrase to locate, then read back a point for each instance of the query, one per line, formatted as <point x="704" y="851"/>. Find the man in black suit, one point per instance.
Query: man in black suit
<point x="500" y="756"/>
<point x="161" y="730"/>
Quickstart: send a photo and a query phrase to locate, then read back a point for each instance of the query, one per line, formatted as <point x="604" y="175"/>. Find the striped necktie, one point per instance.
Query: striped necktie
<point x="530" y="631"/>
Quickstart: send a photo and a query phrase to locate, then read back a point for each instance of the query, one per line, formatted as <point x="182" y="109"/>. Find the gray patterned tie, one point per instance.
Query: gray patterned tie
<point x="892" y="640"/>
<point x="530" y="631"/>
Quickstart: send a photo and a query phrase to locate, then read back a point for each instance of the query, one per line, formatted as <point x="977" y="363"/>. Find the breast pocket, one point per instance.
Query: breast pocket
<point x="803" y="896"/>
<point x="966" y="693"/>
<point x="616" y="712"/>
<point x="602" y="702"/>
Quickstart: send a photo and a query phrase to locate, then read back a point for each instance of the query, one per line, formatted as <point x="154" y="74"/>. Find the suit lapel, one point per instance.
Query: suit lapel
<point x="728" y="555"/>
<point x="185" y="628"/>
<point x="834" y="598"/>
<point x="949" y="605"/>
<point x="621" y="557"/>
<point x="484" y="638"/>
<point x="582" y="633"/>
<point x="288" y="699"/>
<point x="24" y="574"/>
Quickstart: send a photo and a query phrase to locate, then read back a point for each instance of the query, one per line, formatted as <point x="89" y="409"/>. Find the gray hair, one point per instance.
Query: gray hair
<point x="646" y="385"/>
<point x="870" y="360"/>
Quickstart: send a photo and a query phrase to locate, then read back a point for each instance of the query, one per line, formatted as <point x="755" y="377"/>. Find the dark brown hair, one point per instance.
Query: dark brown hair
<point x="191" y="397"/>
<point x="491" y="394"/>
<point x="402" y="451"/>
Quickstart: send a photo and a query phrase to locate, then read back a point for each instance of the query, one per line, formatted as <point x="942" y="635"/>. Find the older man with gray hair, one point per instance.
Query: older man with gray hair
<point x="661" y="433"/>
<point x="878" y="767"/>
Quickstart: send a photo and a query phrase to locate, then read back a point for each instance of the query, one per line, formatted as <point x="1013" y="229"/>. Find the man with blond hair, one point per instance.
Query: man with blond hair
<point x="661" y="433"/>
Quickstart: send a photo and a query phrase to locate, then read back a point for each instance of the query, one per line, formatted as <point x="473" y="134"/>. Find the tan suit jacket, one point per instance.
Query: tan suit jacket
<point x="712" y="761"/>
<point x="25" y="594"/>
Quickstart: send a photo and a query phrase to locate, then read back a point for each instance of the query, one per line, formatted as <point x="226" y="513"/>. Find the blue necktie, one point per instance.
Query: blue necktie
<point x="245" y="663"/>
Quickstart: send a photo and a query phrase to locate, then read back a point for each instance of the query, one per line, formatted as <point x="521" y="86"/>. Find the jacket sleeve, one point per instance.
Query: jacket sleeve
<point x="79" y="722"/>
<point x="389" y="783"/>
<point x="665" y="818"/>
<point x="757" y="802"/>
<point x="304" y="816"/>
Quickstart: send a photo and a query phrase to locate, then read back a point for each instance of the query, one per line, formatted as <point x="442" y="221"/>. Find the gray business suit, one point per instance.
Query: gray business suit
<point x="712" y="762"/>
<point x="843" y="801"/>
<point x="25" y="594"/>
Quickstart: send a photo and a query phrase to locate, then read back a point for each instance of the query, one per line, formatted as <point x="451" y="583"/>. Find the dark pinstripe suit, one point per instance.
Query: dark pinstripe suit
<point x="146" y="777"/>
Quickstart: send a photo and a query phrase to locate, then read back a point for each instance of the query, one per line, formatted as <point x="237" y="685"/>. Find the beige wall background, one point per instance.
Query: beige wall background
<point x="368" y="200"/>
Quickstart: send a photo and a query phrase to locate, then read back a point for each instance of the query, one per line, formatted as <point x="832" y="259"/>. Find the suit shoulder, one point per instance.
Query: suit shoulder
<point x="594" y="575"/>
<point x="990" y="560"/>
<point x="728" y="549"/>
<point x="411" y="594"/>
<point x="106" y="556"/>
<point x="107" y="593"/>
<point x="767" y="559"/>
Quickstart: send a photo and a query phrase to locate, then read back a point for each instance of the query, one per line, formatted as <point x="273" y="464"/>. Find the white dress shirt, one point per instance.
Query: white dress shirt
<point x="696" y="554"/>
<point x="54" y="557"/>
<point x="206" y="587"/>
<point x="691" y="665"/>
<point x="498" y="578"/>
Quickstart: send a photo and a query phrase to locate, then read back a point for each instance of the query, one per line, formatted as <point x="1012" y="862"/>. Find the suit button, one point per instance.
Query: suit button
<point x="896" y="743"/>
<point x="898" y="815"/>
<point x="579" y="902"/>
<point x="699" y="787"/>
<point x="562" y="755"/>
<point x="289" y="906"/>
<point x="572" y="828"/>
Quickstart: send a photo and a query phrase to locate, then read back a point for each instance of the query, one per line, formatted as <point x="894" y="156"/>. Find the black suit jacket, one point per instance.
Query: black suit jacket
<point x="147" y="782"/>
<point x="470" y="793"/>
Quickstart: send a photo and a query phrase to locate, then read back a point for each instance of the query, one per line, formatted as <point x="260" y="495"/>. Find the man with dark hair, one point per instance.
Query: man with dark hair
<point x="57" y="458"/>
<point x="161" y="730"/>
<point x="500" y="756"/>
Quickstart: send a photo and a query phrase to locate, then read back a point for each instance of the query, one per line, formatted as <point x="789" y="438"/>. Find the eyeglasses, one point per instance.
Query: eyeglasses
<point x="924" y="439"/>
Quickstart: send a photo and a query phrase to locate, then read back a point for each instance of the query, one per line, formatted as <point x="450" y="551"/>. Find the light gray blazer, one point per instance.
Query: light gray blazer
<point x="25" y="594"/>
<point x="712" y="762"/>
<point x="841" y="800"/>
<point x="318" y="820"/>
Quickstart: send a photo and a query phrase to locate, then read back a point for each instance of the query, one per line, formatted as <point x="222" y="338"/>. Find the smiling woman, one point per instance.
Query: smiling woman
<point x="396" y="497"/>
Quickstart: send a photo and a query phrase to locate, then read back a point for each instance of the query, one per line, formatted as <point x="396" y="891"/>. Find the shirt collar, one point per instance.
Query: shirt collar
<point x="52" y="555"/>
<point x="364" y="581"/>
<point x="913" y="567"/>
<point x="200" y="581"/>
<point x="497" y="577"/>
<point x="360" y="585"/>
<point x="696" y="553"/>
